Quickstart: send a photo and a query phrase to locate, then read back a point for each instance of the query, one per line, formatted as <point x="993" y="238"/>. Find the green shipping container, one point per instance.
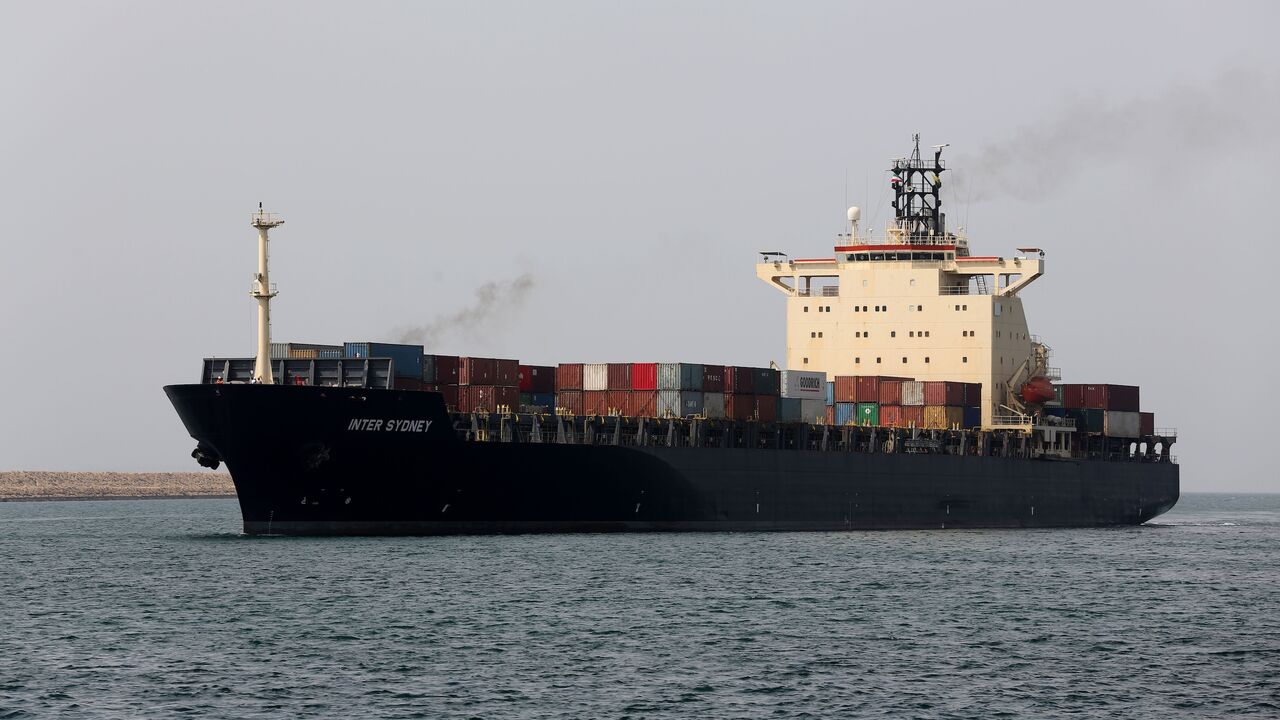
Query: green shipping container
<point x="868" y="414"/>
<point x="1093" y="421"/>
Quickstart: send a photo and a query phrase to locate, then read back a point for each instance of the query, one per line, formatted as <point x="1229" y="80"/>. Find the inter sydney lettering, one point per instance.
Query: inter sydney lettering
<point x="389" y="425"/>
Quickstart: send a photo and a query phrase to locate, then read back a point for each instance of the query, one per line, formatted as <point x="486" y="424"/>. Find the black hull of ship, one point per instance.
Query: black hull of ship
<point x="303" y="464"/>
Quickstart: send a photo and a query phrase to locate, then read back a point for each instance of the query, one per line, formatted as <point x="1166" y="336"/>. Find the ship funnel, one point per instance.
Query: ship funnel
<point x="263" y="290"/>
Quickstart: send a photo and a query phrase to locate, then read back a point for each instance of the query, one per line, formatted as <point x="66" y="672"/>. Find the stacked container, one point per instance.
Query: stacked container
<point x="1111" y="410"/>
<point x="487" y="384"/>
<point x="406" y="360"/>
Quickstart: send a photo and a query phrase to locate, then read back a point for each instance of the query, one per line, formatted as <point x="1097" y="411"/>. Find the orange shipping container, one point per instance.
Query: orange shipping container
<point x="569" y="376"/>
<point x="644" y="403"/>
<point x="595" y="402"/>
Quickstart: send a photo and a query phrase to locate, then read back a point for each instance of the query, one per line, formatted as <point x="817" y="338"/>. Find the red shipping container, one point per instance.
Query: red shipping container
<point x="846" y="388"/>
<point x="1146" y="423"/>
<point x="570" y="400"/>
<point x="619" y="376"/>
<point x="901" y="416"/>
<point x="831" y="414"/>
<point x="618" y="402"/>
<point x="944" y="393"/>
<point x="890" y="416"/>
<point x="1073" y="396"/>
<point x="890" y="392"/>
<point x="406" y="383"/>
<point x="475" y="398"/>
<point x="913" y="416"/>
<point x="739" y="407"/>
<point x="477" y="371"/>
<point x="973" y="394"/>
<point x="1098" y="396"/>
<point x="595" y="402"/>
<point x="644" y="403"/>
<point x="739" y="380"/>
<point x="569" y="376"/>
<point x="713" y="378"/>
<point x="644" y="376"/>
<point x="866" y="389"/>
<point x="447" y="369"/>
<point x="767" y="407"/>
<point x="537" y="379"/>
<point x="506" y="373"/>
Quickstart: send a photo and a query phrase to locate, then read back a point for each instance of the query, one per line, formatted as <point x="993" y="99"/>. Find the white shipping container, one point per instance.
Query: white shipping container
<point x="813" y="410"/>
<point x="669" y="400"/>
<point x="1116" y="423"/>
<point x="595" y="376"/>
<point x="713" y="405"/>
<point x="912" y="392"/>
<point x="804" y="384"/>
<point x="668" y="377"/>
<point x="279" y="351"/>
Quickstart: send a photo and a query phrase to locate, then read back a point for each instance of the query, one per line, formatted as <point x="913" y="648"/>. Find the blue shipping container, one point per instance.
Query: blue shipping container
<point x="831" y="394"/>
<point x="406" y="359"/>
<point x="972" y="417"/>
<point x="691" y="400"/>
<point x="789" y="409"/>
<point x="546" y="400"/>
<point x="846" y="413"/>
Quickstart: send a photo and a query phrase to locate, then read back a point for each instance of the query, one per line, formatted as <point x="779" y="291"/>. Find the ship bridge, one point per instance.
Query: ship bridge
<point x="911" y="303"/>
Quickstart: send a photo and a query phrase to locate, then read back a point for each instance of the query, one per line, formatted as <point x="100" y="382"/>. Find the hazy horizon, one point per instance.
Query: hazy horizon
<point x="590" y="182"/>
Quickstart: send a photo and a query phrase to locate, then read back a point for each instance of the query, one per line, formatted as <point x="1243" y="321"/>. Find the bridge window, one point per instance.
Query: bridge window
<point x="877" y="256"/>
<point x="863" y="257"/>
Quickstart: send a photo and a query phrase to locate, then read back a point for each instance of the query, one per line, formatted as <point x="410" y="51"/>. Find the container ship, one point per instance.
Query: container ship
<point x="913" y="396"/>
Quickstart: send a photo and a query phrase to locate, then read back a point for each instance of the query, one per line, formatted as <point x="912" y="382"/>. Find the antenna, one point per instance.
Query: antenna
<point x="263" y="290"/>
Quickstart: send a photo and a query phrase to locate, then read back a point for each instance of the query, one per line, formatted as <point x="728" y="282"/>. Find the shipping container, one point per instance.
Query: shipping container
<point x="944" y="393"/>
<point x="331" y="354"/>
<point x="619" y="377"/>
<point x="487" y="398"/>
<point x="1087" y="419"/>
<point x="867" y="388"/>
<point x="831" y="392"/>
<point x="595" y="377"/>
<point x="739" y="380"/>
<point x="506" y="373"/>
<point x="568" y="376"/>
<point x="477" y="371"/>
<point x="846" y="413"/>
<point x="972" y="417"/>
<point x="1057" y="395"/>
<point x="891" y="416"/>
<point x="1146" y="423"/>
<point x="669" y="404"/>
<point x="644" y="376"/>
<point x="619" y="403"/>
<point x="279" y="351"/>
<point x="406" y="383"/>
<point x="767" y="408"/>
<point x="831" y="414"/>
<point x="1122" y="424"/>
<point x="544" y="400"/>
<point x="595" y="402"/>
<point x="1101" y="396"/>
<point x="679" y="376"/>
<point x="804" y="384"/>
<point x="644" y="403"/>
<point x="813" y="410"/>
<point x="569" y="401"/>
<point x="691" y="403"/>
<point x="912" y="393"/>
<point x="713" y="379"/>
<point x="444" y="369"/>
<point x="938" y="417"/>
<point x="537" y="379"/>
<point x="767" y="381"/>
<point x="868" y="414"/>
<point x="713" y="404"/>
<point x="789" y="410"/>
<point x="973" y="395"/>
<point x="739" y="407"/>
<point x="846" y="389"/>
<point x="890" y="392"/>
<point x="406" y="360"/>
<point x="526" y="399"/>
<point x="450" y="393"/>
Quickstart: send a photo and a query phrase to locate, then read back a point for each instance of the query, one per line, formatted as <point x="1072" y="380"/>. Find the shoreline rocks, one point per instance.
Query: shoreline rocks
<point x="49" y="485"/>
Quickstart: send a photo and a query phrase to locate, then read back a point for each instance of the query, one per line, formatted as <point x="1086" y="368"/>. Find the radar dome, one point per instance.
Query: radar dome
<point x="855" y="212"/>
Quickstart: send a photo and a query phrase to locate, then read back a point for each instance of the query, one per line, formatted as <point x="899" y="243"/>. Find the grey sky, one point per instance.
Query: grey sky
<point x="630" y="158"/>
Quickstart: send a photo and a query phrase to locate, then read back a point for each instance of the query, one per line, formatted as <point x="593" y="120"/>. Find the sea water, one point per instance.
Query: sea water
<point x="160" y="608"/>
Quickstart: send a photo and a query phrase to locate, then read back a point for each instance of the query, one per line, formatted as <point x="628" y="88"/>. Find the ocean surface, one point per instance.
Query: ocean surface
<point x="159" y="608"/>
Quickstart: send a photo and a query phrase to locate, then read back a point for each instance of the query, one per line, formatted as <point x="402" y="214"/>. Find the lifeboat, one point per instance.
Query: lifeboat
<point x="1037" y="391"/>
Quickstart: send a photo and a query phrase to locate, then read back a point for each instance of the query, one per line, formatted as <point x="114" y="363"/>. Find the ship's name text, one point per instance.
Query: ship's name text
<point x="389" y="425"/>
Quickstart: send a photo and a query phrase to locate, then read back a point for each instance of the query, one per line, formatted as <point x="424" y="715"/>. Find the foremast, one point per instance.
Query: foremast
<point x="263" y="290"/>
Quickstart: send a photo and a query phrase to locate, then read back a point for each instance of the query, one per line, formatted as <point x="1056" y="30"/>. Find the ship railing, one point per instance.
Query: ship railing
<point x="825" y="291"/>
<point x="1166" y="432"/>
<point x="963" y="290"/>
<point x="1053" y="373"/>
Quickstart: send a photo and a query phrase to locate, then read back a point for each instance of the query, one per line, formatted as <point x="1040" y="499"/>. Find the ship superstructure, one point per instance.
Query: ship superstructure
<point x="915" y="303"/>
